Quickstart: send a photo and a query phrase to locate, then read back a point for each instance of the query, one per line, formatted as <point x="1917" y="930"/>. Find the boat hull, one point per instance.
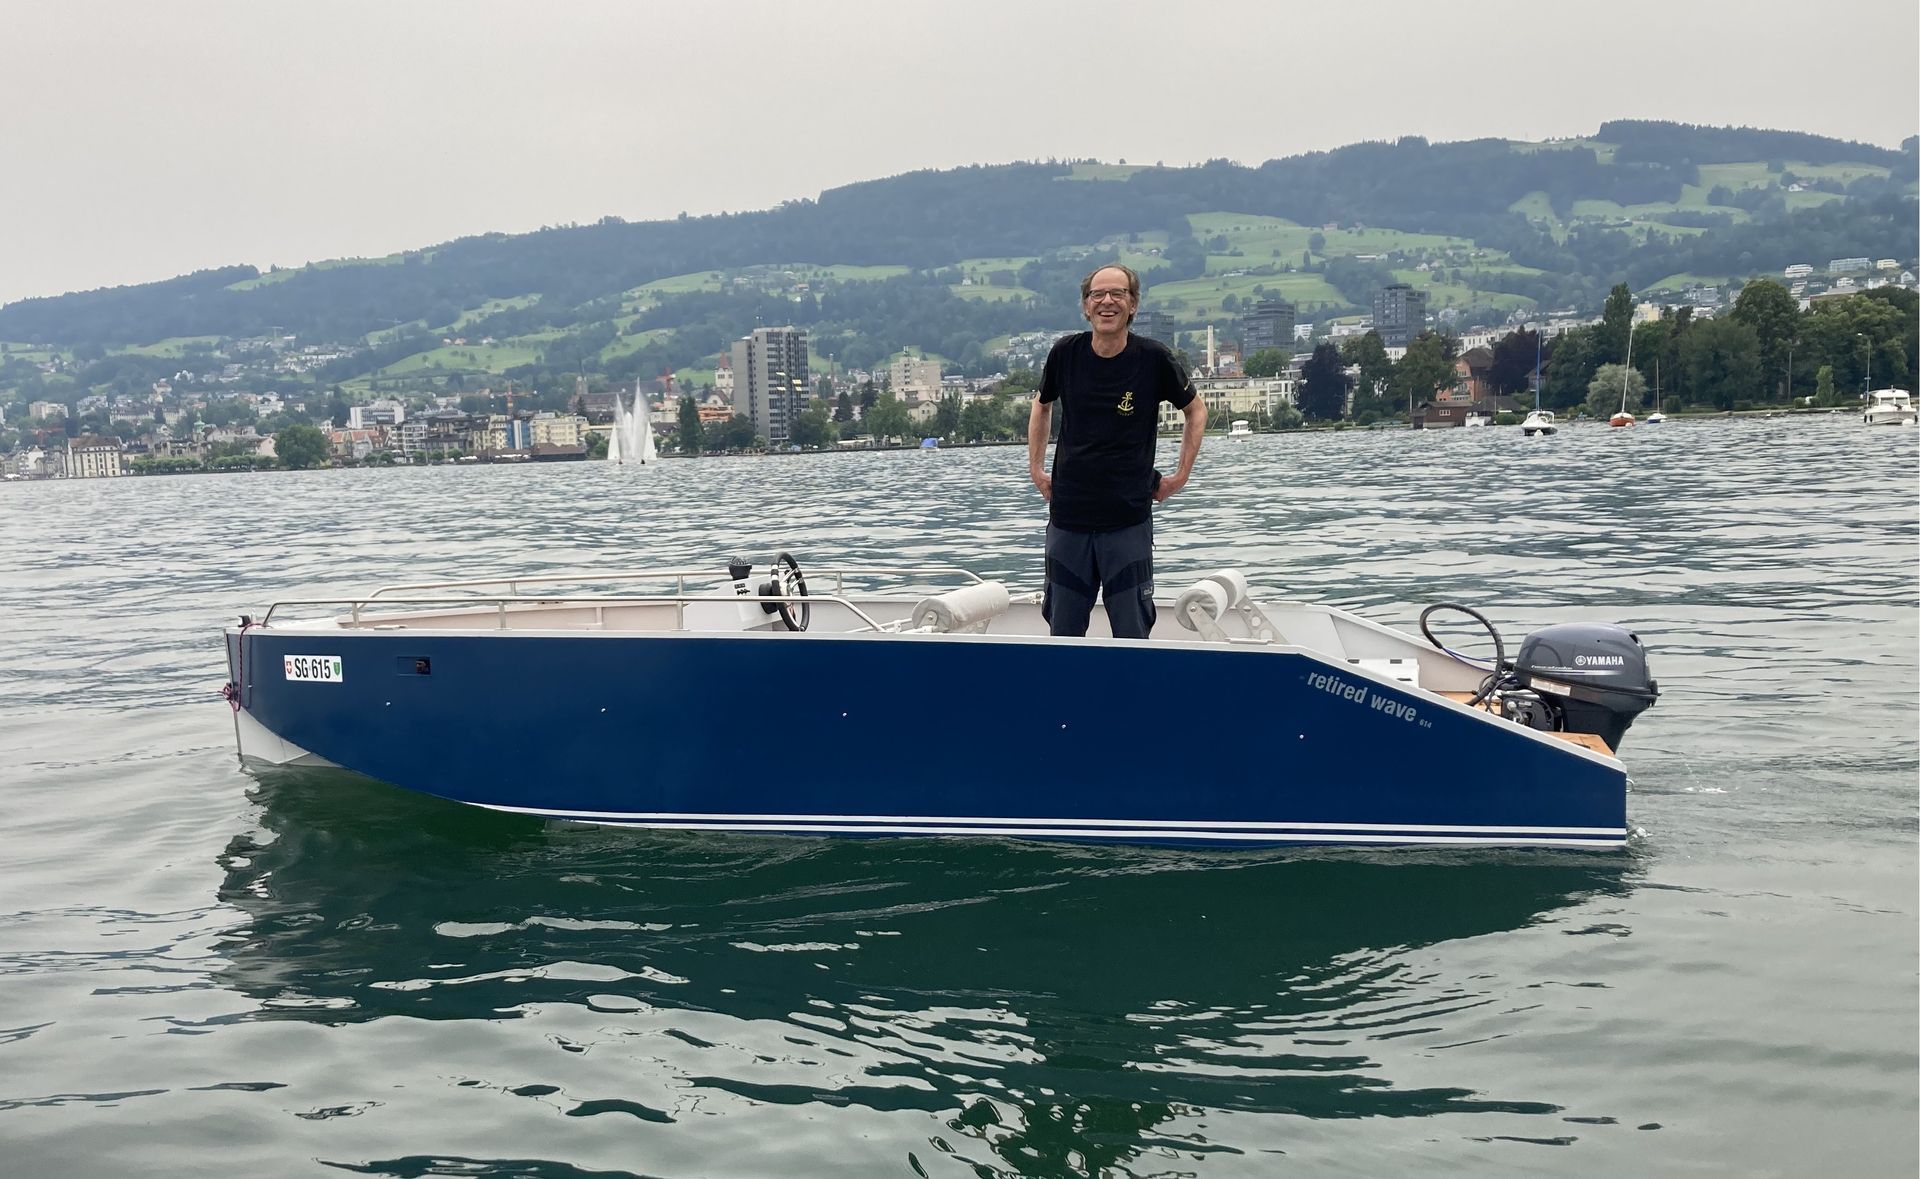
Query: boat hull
<point x="921" y="735"/>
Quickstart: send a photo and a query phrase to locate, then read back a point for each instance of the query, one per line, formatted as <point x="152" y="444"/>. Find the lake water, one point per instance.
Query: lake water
<point x="306" y="974"/>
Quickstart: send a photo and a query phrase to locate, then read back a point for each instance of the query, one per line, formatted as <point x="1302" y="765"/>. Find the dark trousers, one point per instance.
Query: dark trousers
<point x="1118" y="565"/>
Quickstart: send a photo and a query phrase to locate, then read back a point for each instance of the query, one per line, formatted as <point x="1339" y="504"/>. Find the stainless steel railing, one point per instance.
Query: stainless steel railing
<point x="679" y="577"/>
<point x="502" y="605"/>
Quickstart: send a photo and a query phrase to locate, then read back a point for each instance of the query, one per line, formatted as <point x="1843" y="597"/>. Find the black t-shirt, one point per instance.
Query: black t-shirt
<point x="1109" y="420"/>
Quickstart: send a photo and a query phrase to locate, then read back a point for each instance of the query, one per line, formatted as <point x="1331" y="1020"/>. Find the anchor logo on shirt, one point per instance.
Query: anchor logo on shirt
<point x="1126" y="403"/>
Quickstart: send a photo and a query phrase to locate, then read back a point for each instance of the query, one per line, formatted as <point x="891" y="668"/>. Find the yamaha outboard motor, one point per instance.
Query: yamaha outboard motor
<point x="1594" y="676"/>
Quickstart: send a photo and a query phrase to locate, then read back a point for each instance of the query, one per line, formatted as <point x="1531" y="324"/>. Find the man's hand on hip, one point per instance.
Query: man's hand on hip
<point x="1168" y="485"/>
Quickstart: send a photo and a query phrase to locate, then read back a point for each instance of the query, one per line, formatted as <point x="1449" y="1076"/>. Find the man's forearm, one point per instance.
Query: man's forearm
<point x="1190" y="442"/>
<point x="1039" y="425"/>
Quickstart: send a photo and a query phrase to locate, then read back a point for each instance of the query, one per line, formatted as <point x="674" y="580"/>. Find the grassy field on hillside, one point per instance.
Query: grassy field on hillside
<point x="1844" y="173"/>
<point x="624" y="345"/>
<point x="1752" y="174"/>
<point x="387" y="334"/>
<point x="643" y="296"/>
<point x="980" y="294"/>
<point x="1140" y="261"/>
<point x="1492" y="268"/>
<point x="1807" y="200"/>
<point x="1132" y="249"/>
<point x="1263" y="241"/>
<point x="36" y="353"/>
<point x="488" y="308"/>
<point x="1268" y="242"/>
<point x="1198" y="300"/>
<point x="535" y="340"/>
<point x="462" y="358"/>
<point x="1535" y="206"/>
<point x="777" y="276"/>
<point x="175" y="346"/>
<point x="809" y="273"/>
<point x="978" y="269"/>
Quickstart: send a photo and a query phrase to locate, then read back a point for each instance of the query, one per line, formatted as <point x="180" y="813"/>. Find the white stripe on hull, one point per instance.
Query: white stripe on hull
<point x="1108" y="829"/>
<point x="696" y="818"/>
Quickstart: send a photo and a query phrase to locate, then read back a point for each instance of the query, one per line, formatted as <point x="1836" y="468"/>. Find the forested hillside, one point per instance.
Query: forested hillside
<point x="954" y="262"/>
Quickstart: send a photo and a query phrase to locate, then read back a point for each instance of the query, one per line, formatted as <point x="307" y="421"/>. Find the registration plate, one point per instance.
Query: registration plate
<point x="313" y="669"/>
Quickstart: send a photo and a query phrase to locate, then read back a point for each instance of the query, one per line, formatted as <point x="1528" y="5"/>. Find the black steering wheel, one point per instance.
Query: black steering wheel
<point x="789" y="580"/>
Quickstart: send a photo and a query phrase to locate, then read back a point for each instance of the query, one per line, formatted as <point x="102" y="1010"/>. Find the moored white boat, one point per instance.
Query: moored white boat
<point x="1240" y="428"/>
<point x="1889" y="407"/>
<point x="1540" y="421"/>
<point x="738" y="704"/>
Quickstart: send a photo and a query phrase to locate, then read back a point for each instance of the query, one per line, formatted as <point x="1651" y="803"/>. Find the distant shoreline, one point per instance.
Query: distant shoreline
<point x="1329" y="428"/>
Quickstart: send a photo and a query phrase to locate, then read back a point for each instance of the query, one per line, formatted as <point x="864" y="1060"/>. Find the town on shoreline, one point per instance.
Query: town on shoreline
<point x="1768" y="352"/>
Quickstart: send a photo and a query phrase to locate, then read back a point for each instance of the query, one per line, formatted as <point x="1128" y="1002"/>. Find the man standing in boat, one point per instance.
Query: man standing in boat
<point x="1100" y="495"/>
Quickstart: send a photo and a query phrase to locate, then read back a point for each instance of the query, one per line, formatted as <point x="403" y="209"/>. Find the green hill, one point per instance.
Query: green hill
<point x="947" y="262"/>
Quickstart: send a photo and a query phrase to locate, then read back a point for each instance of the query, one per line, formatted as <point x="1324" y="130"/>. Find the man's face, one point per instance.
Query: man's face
<point x="1109" y="305"/>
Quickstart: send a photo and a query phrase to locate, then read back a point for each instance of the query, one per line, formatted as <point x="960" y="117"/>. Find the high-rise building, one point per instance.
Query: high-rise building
<point x="1268" y="325"/>
<point x="914" y="378"/>
<point x="1155" y="325"/>
<point x="770" y="380"/>
<point x="1399" y="314"/>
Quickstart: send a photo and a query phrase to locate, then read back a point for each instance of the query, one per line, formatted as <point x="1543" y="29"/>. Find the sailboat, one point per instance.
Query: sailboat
<point x="1540" y="421"/>
<point x="644" y="413"/>
<point x="1656" y="417"/>
<point x="1623" y="418"/>
<point x="631" y="440"/>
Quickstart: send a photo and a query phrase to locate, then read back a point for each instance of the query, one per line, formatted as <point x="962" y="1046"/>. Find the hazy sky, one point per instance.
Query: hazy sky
<point x="140" y="140"/>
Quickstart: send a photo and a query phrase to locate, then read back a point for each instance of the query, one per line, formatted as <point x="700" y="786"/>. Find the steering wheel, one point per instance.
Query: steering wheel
<point x="790" y="580"/>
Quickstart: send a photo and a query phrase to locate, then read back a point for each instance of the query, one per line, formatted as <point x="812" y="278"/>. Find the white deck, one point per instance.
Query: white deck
<point x="711" y="609"/>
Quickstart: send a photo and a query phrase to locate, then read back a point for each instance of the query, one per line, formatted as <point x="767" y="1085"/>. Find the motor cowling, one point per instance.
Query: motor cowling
<point x="1594" y="675"/>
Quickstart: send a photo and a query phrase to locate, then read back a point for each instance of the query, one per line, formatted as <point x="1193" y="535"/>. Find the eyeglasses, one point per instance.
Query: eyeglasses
<point x="1120" y="293"/>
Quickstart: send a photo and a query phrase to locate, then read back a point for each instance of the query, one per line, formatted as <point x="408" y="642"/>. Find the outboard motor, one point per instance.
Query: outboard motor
<point x="1592" y="675"/>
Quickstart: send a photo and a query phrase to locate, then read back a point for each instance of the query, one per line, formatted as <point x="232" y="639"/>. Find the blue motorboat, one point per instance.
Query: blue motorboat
<point x="901" y="702"/>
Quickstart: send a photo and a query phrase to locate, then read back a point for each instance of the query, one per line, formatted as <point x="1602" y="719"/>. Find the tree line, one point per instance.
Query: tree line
<point x="1764" y="351"/>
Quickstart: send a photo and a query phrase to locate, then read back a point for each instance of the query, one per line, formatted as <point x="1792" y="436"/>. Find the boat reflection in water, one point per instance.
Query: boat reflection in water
<point x="1064" y="1008"/>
